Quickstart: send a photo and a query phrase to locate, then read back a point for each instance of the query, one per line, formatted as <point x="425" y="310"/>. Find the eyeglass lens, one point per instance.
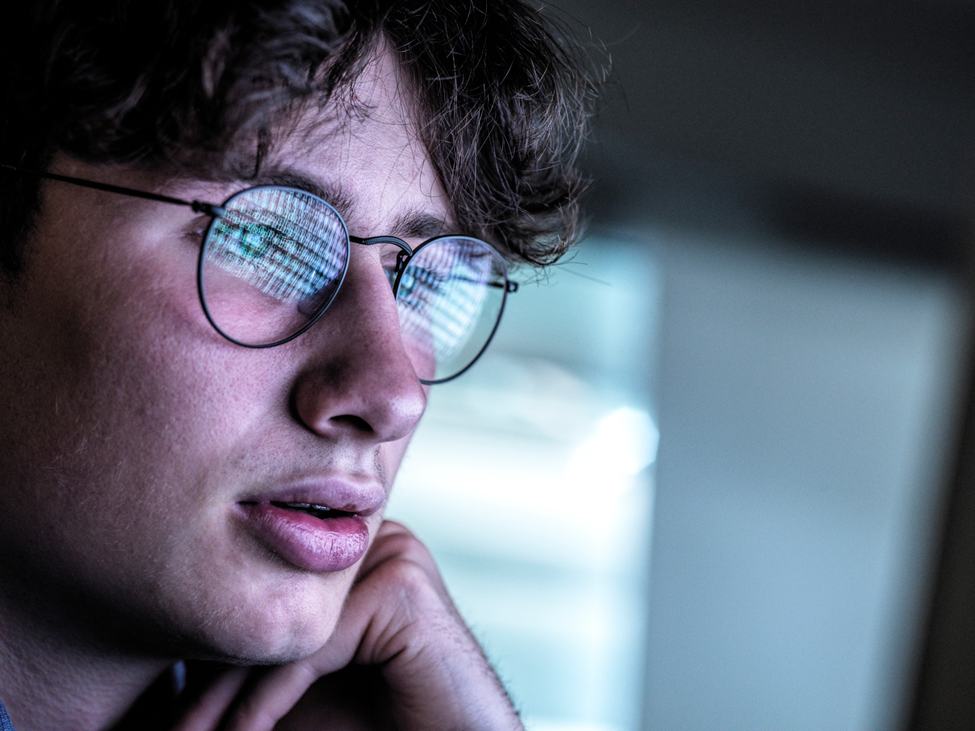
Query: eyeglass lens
<point x="274" y="261"/>
<point x="450" y="298"/>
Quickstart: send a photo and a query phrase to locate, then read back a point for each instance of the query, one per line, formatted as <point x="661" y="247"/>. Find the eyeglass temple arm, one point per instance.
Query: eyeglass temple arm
<point x="211" y="209"/>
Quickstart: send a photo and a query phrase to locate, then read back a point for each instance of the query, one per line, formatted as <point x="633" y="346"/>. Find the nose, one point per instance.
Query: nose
<point x="359" y="382"/>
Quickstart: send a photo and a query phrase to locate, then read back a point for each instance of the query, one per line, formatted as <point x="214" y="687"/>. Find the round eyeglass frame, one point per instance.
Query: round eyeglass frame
<point x="402" y="262"/>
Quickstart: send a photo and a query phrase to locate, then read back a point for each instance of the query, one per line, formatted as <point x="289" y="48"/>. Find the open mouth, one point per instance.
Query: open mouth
<point x="317" y="511"/>
<point x="308" y="535"/>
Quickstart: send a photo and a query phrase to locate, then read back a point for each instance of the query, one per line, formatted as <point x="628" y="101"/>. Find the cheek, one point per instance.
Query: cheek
<point x="115" y="393"/>
<point x="122" y="460"/>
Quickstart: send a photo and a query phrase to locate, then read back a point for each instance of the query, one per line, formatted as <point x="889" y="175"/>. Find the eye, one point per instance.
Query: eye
<point x="250" y="240"/>
<point x="389" y="259"/>
<point x="196" y="229"/>
<point x="389" y="255"/>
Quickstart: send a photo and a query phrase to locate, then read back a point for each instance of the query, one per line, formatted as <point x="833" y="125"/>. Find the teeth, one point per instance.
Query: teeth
<point x="319" y="511"/>
<point x="308" y="506"/>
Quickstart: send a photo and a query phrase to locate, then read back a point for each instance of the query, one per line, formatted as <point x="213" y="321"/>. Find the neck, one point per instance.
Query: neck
<point x="54" y="675"/>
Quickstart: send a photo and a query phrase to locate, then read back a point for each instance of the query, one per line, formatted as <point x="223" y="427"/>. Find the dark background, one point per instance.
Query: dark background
<point x="840" y="124"/>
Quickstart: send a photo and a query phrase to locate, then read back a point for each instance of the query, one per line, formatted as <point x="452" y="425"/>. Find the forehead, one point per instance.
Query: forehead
<point x="362" y="152"/>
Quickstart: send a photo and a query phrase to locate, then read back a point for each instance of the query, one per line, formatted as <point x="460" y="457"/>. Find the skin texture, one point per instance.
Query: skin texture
<point x="130" y="432"/>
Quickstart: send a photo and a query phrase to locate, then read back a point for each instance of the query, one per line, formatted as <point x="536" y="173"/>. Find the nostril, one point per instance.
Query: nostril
<point x="356" y="422"/>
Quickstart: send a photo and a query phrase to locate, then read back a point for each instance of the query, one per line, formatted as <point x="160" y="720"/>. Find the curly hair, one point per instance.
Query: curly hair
<point x="204" y="87"/>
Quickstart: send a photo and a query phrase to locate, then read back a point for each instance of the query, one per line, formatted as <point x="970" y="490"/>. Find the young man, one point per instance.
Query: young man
<point x="219" y="320"/>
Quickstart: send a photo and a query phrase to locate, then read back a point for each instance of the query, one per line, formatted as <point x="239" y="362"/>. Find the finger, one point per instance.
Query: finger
<point x="395" y="542"/>
<point x="207" y="711"/>
<point x="271" y="698"/>
<point x="389" y="535"/>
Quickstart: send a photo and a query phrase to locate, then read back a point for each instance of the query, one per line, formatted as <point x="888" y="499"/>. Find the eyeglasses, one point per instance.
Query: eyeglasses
<point x="273" y="259"/>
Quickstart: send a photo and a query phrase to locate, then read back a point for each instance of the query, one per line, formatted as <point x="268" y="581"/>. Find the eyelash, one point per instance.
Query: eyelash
<point x="197" y="229"/>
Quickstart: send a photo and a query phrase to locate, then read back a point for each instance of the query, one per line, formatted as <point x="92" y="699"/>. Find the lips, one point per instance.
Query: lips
<point x="316" y="527"/>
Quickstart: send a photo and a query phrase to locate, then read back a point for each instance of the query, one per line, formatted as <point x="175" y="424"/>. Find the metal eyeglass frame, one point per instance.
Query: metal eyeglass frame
<point x="217" y="211"/>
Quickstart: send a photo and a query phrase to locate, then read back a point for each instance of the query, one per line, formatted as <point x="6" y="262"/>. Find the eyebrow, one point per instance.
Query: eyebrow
<point x="414" y="223"/>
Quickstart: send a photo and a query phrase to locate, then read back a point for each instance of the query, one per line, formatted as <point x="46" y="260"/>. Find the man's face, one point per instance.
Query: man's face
<point x="145" y="460"/>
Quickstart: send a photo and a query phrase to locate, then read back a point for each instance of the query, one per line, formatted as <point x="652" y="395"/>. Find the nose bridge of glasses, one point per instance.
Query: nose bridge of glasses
<point x="403" y="256"/>
<point x="373" y="240"/>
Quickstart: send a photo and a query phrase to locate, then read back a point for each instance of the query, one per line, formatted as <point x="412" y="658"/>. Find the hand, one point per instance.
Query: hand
<point x="400" y="656"/>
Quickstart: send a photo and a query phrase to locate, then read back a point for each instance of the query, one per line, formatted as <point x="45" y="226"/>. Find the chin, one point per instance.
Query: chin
<point x="257" y="643"/>
<point x="268" y="629"/>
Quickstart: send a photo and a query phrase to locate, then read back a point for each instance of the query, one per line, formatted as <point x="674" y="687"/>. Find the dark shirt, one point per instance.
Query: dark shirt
<point x="5" y="724"/>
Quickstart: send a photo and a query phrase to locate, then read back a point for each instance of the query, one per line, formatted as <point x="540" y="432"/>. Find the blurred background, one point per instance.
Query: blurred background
<point x="698" y="481"/>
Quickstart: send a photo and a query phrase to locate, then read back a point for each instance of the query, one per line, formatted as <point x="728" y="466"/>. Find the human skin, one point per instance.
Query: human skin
<point x="133" y="436"/>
